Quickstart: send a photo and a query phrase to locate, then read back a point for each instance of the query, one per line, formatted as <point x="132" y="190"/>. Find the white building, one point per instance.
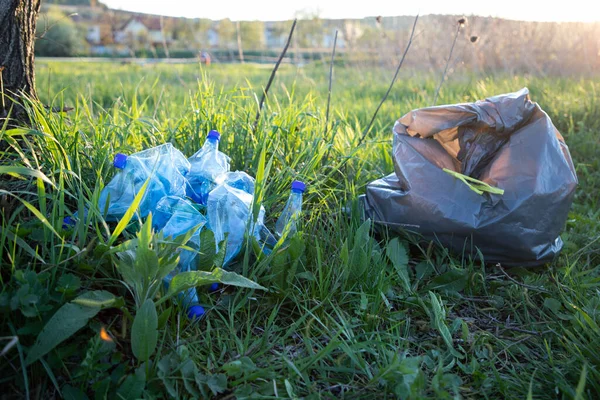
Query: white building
<point x="137" y="28"/>
<point x="213" y="37"/>
<point x="93" y="35"/>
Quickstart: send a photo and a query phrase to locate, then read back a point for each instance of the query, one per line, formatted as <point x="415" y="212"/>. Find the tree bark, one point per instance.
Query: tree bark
<point x="18" y="20"/>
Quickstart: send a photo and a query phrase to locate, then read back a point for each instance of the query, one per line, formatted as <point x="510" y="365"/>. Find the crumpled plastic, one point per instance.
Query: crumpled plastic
<point x="506" y="141"/>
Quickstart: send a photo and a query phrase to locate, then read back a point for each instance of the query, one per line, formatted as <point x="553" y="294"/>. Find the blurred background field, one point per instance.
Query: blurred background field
<point x="485" y="44"/>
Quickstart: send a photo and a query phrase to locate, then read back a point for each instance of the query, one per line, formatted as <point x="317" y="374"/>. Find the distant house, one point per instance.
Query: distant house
<point x="93" y="35"/>
<point x="136" y="28"/>
<point x="329" y="37"/>
<point x="99" y="33"/>
<point x="274" y="37"/>
<point x="213" y="36"/>
<point x="329" y="28"/>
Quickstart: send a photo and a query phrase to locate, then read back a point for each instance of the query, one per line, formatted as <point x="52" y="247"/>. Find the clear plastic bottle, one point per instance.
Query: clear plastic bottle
<point x="267" y="239"/>
<point x="229" y="213"/>
<point x="237" y="179"/>
<point x="287" y="222"/>
<point x="187" y="299"/>
<point x="206" y="166"/>
<point x="164" y="165"/>
<point x="180" y="216"/>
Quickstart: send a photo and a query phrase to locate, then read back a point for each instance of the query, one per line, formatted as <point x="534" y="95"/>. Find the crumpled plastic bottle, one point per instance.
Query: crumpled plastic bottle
<point x="267" y="240"/>
<point x="229" y="213"/>
<point x="206" y="166"/>
<point x="177" y="216"/>
<point x="164" y="165"/>
<point x="188" y="299"/>
<point x="291" y="212"/>
<point x="237" y="179"/>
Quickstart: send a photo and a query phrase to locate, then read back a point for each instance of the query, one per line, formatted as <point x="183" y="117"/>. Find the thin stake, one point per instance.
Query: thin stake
<point x="329" y="99"/>
<point x="266" y="91"/>
<point x="437" y="92"/>
<point x="366" y="131"/>
<point x="330" y="82"/>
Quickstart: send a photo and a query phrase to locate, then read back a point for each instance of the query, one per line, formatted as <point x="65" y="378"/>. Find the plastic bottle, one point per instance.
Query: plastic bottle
<point x="242" y="181"/>
<point x="70" y="221"/>
<point x="229" y="213"/>
<point x="188" y="299"/>
<point x="164" y="165"/>
<point x="237" y="179"/>
<point x="206" y="166"/>
<point x="181" y="217"/>
<point x="164" y="210"/>
<point x="267" y="239"/>
<point x="291" y="212"/>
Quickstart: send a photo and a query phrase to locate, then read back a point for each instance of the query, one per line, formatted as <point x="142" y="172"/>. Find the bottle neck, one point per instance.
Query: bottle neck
<point x="297" y="192"/>
<point x="212" y="143"/>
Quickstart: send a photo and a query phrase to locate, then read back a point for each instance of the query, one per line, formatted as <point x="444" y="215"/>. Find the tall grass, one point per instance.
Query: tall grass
<point x="351" y="312"/>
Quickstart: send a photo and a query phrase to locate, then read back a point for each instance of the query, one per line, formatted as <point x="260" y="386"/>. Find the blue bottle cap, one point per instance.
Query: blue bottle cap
<point x="298" y="186"/>
<point x="68" y="222"/>
<point x="195" y="311"/>
<point x="120" y="160"/>
<point x="214" y="287"/>
<point x="214" y="135"/>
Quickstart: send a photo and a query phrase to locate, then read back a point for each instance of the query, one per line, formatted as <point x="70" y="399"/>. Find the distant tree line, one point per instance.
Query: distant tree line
<point x="58" y="36"/>
<point x="484" y="44"/>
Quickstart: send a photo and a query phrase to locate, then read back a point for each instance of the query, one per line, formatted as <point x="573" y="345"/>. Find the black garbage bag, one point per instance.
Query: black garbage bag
<point x="506" y="141"/>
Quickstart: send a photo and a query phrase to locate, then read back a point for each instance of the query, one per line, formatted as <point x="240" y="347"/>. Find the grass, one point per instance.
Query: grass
<point x="350" y="313"/>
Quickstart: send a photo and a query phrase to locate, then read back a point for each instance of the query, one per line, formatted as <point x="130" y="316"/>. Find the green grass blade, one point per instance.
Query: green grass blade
<point x="19" y="171"/>
<point x="35" y="212"/>
<point x="21" y="243"/>
<point x="579" y="394"/>
<point x="129" y="213"/>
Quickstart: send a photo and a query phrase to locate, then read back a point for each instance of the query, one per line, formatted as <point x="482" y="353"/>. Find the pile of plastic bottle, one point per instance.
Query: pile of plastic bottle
<point x="198" y="193"/>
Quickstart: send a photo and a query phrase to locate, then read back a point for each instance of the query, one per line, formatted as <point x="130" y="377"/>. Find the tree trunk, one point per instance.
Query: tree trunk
<point x="18" y="19"/>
